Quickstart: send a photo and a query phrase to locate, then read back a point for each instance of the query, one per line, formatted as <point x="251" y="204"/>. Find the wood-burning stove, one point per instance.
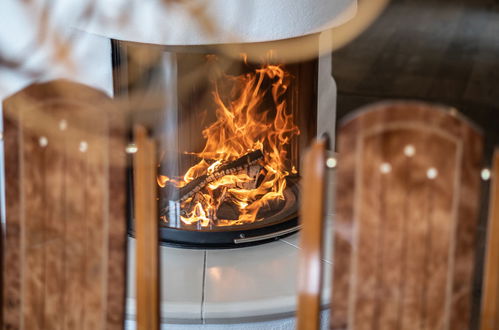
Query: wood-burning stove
<point x="229" y="130"/>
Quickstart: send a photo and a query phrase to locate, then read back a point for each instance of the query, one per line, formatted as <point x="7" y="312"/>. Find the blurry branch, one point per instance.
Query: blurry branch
<point x="47" y="36"/>
<point x="198" y="11"/>
<point x="18" y="66"/>
<point x="61" y="42"/>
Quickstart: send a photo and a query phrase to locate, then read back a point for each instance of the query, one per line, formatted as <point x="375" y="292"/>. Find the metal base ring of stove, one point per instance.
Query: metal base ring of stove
<point x="227" y="239"/>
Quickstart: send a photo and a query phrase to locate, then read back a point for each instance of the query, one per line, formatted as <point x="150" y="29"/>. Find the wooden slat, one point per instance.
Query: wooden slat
<point x="54" y="191"/>
<point x="393" y="223"/>
<point x="414" y="262"/>
<point x="146" y="232"/>
<point x="33" y="252"/>
<point x="312" y="214"/>
<point x="490" y="299"/>
<point x="97" y="225"/>
<point x="404" y="242"/>
<point x="75" y="234"/>
<point x="369" y="237"/>
<point x="12" y="253"/>
<point x="59" y="249"/>
<point x="343" y="234"/>
<point x="442" y="197"/>
<point x="468" y="202"/>
<point x="426" y="233"/>
<point x="117" y="227"/>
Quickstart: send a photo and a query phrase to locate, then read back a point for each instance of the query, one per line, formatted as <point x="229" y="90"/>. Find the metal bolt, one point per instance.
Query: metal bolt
<point x="131" y="148"/>
<point x="409" y="150"/>
<point x="432" y="173"/>
<point x="83" y="146"/>
<point x="43" y="141"/>
<point x="331" y="162"/>
<point x="63" y="124"/>
<point x="385" y="168"/>
<point x="485" y="174"/>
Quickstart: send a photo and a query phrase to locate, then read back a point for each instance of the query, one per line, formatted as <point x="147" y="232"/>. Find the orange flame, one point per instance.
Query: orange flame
<point x="242" y="127"/>
<point x="162" y="180"/>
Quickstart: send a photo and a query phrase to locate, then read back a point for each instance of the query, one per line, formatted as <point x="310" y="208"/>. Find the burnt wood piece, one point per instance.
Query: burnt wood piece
<point x="407" y="208"/>
<point x="490" y="298"/>
<point x="191" y="188"/>
<point x="312" y="213"/>
<point x="65" y="244"/>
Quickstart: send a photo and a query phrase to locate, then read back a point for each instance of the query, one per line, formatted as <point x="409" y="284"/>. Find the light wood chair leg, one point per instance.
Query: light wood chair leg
<point x="490" y="302"/>
<point x="146" y="232"/>
<point x="311" y="241"/>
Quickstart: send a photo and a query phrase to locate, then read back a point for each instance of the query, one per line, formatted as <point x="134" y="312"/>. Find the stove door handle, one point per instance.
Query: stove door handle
<point x="266" y="236"/>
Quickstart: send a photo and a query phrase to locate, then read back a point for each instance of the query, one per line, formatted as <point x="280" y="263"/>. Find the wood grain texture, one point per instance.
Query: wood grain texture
<point x="146" y="231"/>
<point x="61" y="239"/>
<point x="490" y="298"/>
<point x="407" y="209"/>
<point x="117" y="234"/>
<point x="54" y="165"/>
<point x="12" y="251"/>
<point x="312" y="213"/>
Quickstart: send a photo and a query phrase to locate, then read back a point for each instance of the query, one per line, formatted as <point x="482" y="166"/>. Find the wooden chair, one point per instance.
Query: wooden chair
<point x="407" y="201"/>
<point x="490" y="291"/>
<point x="64" y="256"/>
<point x="66" y="214"/>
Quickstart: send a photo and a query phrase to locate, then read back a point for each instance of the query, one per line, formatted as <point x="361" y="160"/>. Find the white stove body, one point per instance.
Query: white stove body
<point x="255" y="283"/>
<point x="209" y="22"/>
<point x="203" y="22"/>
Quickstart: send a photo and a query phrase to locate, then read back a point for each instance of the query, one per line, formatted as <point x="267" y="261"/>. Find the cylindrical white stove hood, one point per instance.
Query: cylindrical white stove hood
<point x="202" y="22"/>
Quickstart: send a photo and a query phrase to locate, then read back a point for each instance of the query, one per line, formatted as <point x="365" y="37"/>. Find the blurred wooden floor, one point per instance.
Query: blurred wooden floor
<point x="444" y="51"/>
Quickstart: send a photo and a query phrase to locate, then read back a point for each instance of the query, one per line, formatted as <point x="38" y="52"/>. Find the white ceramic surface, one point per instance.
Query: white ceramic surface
<point x="181" y="282"/>
<point x="251" y="284"/>
<point x="183" y="22"/>
<point x="255" y="283"/>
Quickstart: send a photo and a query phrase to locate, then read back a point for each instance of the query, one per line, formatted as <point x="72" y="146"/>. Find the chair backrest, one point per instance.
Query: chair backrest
<point x="490" y="299"/>
<point x="65" y="249"/>
<point x="407" y="201"/>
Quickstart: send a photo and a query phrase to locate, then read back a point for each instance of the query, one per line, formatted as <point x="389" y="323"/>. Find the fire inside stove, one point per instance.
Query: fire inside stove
<point x="244" y="173"/>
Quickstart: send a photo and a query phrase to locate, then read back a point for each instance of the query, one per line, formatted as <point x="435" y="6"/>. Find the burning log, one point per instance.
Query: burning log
<point x="233" y="167"/>
<point x="247" y="162"/>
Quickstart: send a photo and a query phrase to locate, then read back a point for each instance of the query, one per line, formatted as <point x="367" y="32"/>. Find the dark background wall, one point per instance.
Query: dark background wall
<point x="444" y="51"/>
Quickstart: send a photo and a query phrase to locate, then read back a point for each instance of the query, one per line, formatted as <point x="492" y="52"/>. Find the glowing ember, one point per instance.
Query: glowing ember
<point x="244" y="164"/>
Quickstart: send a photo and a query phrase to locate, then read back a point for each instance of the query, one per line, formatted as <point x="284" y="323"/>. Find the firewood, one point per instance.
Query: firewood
<point x="244" y="163"/>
